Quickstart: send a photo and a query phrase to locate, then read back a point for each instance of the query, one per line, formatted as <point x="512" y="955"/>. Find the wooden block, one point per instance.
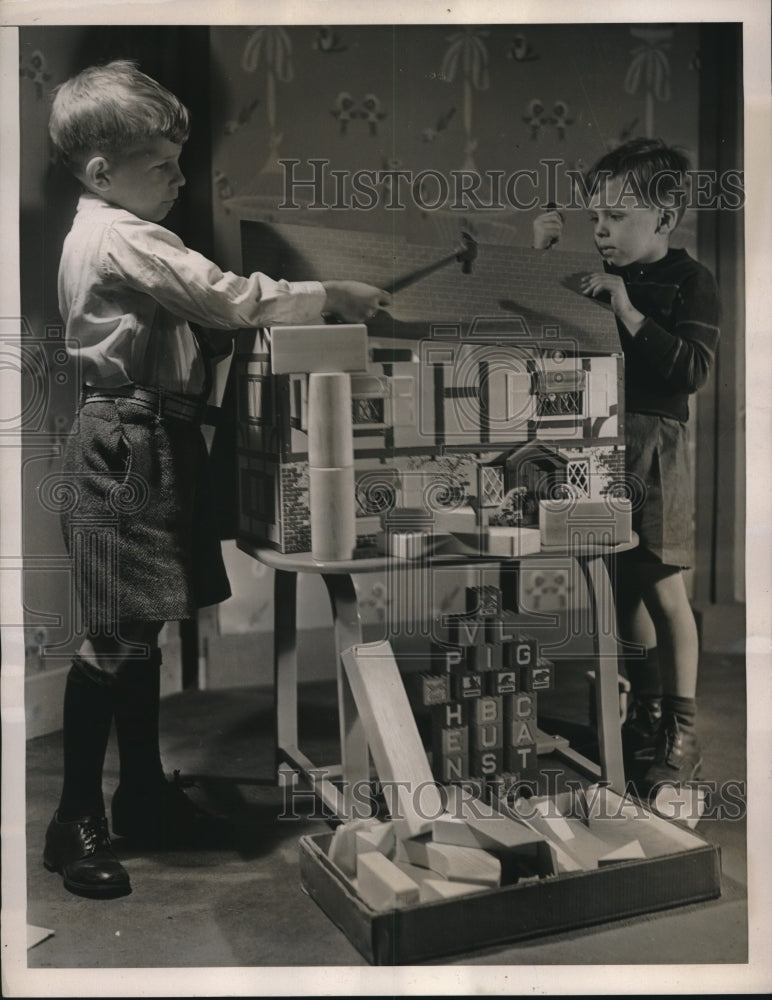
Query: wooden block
<point x="627" y="852"/>
<point x="565" y="523"/>
<point x="450" y="767"/>
<point x="519" y="651"/>
<point x="486" y="736"/>
<point x="330" y="430"/>
<point x="463" y="864"/>
<point x="406" y="544"/>
<point x="556" y="823"/>
<point x="333" y="514"/>
<point x="450" y="715"/>
<point x="439" y="888"/>
<point x="343" y="849"/>
<point x="483" y="601"/>
<point x="500" y="682"/>
<point x="324" y="348"/>
<point x="519" y="706"/>
<point x="518" y="541"/>
<point x="486" y="763"/>
<point x="450" y="741"/>
<point x="428" y="689"/>
<point x="448" y="829"/>
<point x="483" y="659"/>
<point x="465" y="630"/>
<point x="381" y="884"/>
<point x="378" y="837"/>
<point x="685" y="803"/>
<point x="391" y="731"/>
<point x="537" y="677"/>
<point x="459" y="519"/>
<point x="413" y="850"/>
<point x="603" y="808"/>
<point x="520" y="732"/>
<point x="447" y="659"/>
<point x="522" y="759"/>
<point x="465" y="686"/>
<point x="487" y="709"/>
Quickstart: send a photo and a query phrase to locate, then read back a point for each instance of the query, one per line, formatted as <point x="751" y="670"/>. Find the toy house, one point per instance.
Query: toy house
<point x="478" y="396"/>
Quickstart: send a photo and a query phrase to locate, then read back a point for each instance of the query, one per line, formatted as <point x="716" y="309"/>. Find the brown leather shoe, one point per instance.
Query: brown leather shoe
<point x="81" y="852"/>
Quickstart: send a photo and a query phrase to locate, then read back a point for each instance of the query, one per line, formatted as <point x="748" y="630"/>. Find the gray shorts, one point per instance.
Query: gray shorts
<point x="140" y="524"/>
<point x="660" y="479"/>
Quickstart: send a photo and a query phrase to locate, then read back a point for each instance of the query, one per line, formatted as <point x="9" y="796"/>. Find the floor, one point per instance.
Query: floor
<point x="245" y="908"/>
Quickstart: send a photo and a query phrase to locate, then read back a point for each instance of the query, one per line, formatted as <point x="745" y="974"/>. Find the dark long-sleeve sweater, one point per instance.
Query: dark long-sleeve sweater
<point x="671" y="355"/>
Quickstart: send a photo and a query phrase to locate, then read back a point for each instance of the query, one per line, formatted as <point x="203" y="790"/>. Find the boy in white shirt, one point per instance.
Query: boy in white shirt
<point x="135" y="459"/>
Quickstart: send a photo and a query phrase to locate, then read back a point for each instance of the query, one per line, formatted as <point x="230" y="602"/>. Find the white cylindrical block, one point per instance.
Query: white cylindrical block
<point x="330" y="430"/>
<point x="333" y="513"/>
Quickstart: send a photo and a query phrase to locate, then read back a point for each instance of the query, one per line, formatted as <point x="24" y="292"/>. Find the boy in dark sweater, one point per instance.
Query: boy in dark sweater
<point x="667" y="311"/>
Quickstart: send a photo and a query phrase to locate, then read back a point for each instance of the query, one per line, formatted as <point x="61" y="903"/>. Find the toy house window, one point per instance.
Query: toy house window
<point x="258" y="399"/>
<point x="367" y="410"/>
<point x="560" y="393"/>
<point x="578" y="476"/>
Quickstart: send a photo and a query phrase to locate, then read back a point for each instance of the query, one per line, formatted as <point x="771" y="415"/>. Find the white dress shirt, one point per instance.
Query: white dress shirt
<point x="128" y="288"/>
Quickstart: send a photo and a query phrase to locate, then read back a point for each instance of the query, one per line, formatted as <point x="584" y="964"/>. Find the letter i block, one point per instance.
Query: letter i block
<point x="447" y="659"/>
<point x="484" y="658"/>
<point x="520" y="651"/>
<point x="450" y="753"/>
<point x="483" y="601"/>
<point x="538" y="677"/>
<point x="500" y="682"/>
<point x="465" y="686"/>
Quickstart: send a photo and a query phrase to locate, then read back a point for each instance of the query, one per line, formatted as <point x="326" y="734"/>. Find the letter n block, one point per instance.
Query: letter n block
<point x="450" y="753"/>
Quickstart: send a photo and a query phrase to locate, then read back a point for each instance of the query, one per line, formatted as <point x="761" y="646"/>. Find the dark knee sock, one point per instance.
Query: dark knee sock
<point x="644" y="675"/>
<point x="684" y="709"/>
<point x="88" y="713"/>
<point x="137" y="704"/>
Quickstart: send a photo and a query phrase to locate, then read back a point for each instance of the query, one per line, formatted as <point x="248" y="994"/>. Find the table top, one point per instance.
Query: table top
<point x="304" y="562"/>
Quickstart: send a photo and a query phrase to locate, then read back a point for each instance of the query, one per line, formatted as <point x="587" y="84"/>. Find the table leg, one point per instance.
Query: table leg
<point x="285" y="661"/>
<point x="606" y="686"/>
<point x="355" y="758"/>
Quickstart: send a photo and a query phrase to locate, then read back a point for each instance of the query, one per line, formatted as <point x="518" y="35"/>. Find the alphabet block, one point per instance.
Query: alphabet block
<point x="537" y="677"/>
<point x="519" y="651"/>
<point x="501" y="682"/>
<point x="451" y="767"/>
<point x="465" y="686"/>
<point x="485" y="658"/>
<point x="520" y="706"/>
<point x="447" y="659"/>
<point x="465" y="630"/>
<point x="483" y="601"/>
<point x="522" y="759"/>
<point x="520" y="732"/>
<point x="487" y="710"/>
<point x="485" y="763"/>
<point x="448" y="715"/>
<point x="428" y="689"/>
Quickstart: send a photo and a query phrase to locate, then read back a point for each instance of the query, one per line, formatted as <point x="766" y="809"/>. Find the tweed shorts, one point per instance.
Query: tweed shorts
<point x="140" y="524"/>
<point x="659" y="471"/>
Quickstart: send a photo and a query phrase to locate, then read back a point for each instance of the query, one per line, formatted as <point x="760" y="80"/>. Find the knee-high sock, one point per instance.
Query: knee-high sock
<point x="88" y="713"/>
<point x="137" y="704"/>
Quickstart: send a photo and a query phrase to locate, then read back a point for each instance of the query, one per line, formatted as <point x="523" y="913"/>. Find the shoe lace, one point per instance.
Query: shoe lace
<point x="95" y="834"/>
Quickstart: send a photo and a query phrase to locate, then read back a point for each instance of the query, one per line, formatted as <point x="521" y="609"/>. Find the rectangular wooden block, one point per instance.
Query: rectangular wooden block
<point x="395" y="743"/>
<point x="382" y="885"/>
<point x="465" y="686"/>
<point x="460" y="519"/>
<point x="378" y="837"/>
<point x="565" y="523"/>
<point x="439" y="888"/>
<point x="627" y="852"/>
<point x="463" y="864"/>
<point x="343" y="846"/>
<point x="500" y="682"/>
<point x="323" y="348"/>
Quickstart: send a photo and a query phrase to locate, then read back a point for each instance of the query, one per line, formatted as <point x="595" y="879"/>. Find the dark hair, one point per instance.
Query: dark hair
<point x="647" y="167"/>
<point x="108" y="109"/>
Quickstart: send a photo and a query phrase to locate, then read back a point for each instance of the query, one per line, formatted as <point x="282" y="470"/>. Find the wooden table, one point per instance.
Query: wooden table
<point x="339" y="580"/>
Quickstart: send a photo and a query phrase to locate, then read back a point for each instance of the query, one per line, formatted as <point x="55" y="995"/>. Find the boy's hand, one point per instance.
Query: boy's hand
<point x="614" y="287"/>
<point x="547" y="229"/>
<point x="354" y="301"/>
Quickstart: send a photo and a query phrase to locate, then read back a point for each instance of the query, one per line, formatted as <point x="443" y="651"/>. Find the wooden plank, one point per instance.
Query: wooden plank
<point x="400" y="760"/>
<point x="627" y="852"/>
<point x="323" y="348"/>
<point x="382" y="885"/>
<point x="439" y="888"/>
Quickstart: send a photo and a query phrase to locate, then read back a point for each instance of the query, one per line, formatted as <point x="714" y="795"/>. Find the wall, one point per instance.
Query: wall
<point x="418" y="98"/>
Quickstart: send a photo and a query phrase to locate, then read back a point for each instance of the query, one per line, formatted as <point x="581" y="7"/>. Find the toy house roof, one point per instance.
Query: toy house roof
<point x="511" y="291"/>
